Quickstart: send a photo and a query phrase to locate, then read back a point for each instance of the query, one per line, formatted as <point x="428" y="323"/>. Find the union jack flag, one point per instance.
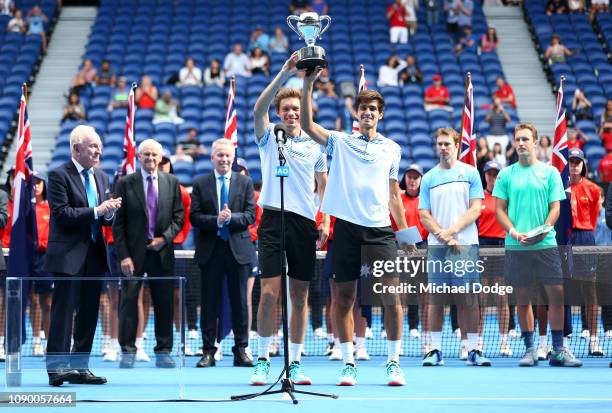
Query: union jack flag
<point x="563" y="227"/>
<point x="360" y="88"/>
<point x="231" y="126"/>
<point x="129" y="143"/>
<point x="467" y="153"/>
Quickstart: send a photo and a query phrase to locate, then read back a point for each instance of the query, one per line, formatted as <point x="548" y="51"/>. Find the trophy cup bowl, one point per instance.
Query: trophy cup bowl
<point x="309" y="27"/>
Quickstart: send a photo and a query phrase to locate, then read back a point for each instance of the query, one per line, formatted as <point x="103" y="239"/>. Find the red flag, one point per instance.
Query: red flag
<point x="231" y="126"/>
<point x="467" y="153"/>
<point x="129" y="144"/>
<point x="362" y="86"/>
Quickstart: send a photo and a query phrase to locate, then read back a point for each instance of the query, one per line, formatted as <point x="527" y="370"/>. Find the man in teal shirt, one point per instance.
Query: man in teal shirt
<point x="528" y="194"/>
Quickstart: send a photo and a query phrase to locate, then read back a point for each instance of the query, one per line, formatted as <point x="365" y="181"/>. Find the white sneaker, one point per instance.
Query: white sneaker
<point x="141" y="355"/>
<point x="585" y="334"/>
<point x="463" y="351"/>
<point x="319" y="334"/>
<point x="193" y="335"/>
<point x="362" y="354"/>
<point x="595" y="348"/>
<point x="383" y="334"/>
<point x="105" y="346"/>
<point x="38" y="350"/>
<point x="218" y="354"/>
<point x="457" y="334"/>
<point x="514" y="335"/>
<point x="368" y="334"/>
<point x="336" y="354"/>
<point x="111" y="355"/>
<point x="608" y="335"/>
<point x="543" y="353"/>
<point x="188" y="350"/>
<point x="414" y="334"/>
<point x="505" y="350"/>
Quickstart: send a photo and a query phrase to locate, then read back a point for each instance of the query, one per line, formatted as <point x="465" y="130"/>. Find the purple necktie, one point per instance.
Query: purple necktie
<point x="151" y="205"/>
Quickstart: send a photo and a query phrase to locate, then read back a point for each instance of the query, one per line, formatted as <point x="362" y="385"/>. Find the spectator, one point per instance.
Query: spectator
<point x="166" y="110"/>
<point x="320" y="7"/>
<point x="576" y="6"/>
<point x="396" y="14"/>
<point x="327" y="89"/>
<point x="544" y="149"/>
<point x="16" y="24"/>
<point x="432" y="12"/>
<point x="189" y="149"/>
<point x="483" y="155"/>
<point x="7" y="7"/>
<point x="451" y="7"/>
<point x="437" y="96"/>
<point x="190" y="75"/>
<point x="598" y="6"/>
<point x="511" y="154"/>
<point x="260" y="39"/>
<point x="36" y="20"/>
<point x="106" y="76"/>
<point x="344" y="122"/>
<point x="556" y="7"/>
<point x="85" y="79"/>
<point x="576" y="139"/>
<point x="556" y="52"/>
<point x="296" y="81"/>
<point x="236" y="63"/>
<point x="299" y="6"/>
<point x="581" y="106"/>
<point x="468" y="42"/>
<point x="73" y="109"/>
<point x="605" y="126"/>
<point x="410" y="73"/>
<point x="146" y="95"/>
<point x="465" y="10"/>
<point x="120" y="95"/>
<point x="489" y="42"/>
<point x="505" y="92"/>
<point x="498" y="154"/>
<point x="388" y="73"/>
<point x="498" y="119"/>
<point x="213" y="75"/>
<point x="605" y="168"/>
<point x="259" y="62"/>
<point x="279" y="43"/>
<point x="411" y="7"/>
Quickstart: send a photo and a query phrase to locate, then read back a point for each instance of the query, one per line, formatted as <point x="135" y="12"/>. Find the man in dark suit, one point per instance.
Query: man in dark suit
<point x="222" y="208"/>
<point x="151" y="216"/>
<point x="80" y="204"/>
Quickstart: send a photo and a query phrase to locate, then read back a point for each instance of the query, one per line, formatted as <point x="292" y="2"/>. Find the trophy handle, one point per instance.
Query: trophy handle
<point x="323" y="30"/>
<point x="289" y="20"/>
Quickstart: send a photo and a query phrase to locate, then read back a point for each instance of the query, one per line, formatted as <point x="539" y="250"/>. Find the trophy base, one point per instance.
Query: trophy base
<point x="310" y="58"/>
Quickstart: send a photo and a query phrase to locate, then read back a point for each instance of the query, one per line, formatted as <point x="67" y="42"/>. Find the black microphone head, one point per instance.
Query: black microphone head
<point x="280" y="132"/>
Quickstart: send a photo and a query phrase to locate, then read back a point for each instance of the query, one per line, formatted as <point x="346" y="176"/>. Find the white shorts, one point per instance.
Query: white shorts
<point x="398" y="34"/>
<point x="600" y="2"/>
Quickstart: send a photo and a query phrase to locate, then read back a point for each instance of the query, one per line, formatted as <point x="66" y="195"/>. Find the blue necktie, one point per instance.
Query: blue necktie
<point x="224" y="230"/>
<point x="91" y="200"/>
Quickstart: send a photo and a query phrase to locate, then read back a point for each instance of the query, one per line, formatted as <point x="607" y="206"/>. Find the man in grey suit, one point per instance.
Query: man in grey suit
<point x="151" y="216"/>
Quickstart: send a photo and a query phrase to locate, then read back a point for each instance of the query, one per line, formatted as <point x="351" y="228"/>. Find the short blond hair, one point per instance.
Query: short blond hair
<point x="527" y="126"/>
<point x="448" y="131"/>
<point x="286" y="93"/>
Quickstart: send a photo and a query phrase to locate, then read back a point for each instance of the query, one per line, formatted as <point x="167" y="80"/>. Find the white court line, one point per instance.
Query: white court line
<point x="564" y="399"/>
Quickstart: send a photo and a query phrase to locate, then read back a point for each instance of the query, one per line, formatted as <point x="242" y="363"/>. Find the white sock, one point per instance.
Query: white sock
<point x="139" y="343"/>
<point x="295" y="351"/>
<point x="114" y="343"/>
<point x="472" y="339"/>
<point x="503" y="338"/>
<point x="359" y="342"/>
<point x="263" y="347"/>
<point x="1" y="340"/>
<point x="330" y="338"/>
<point x="464" y="343"/>
<point x="565" y="342"/>
<point x="393" y="350"/>
<point x="35" y="340"/>
<point x="543" y="341"/>
<point x="436" y="340"/>
<point x="347" y="352"/>
<point x="336" y="342"/>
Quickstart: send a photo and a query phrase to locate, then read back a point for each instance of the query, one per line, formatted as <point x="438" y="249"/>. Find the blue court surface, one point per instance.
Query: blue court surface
<point x="453" y="387"/>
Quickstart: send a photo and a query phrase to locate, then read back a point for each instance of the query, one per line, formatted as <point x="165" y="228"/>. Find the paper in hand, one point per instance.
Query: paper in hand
<point x="409" y="235"/>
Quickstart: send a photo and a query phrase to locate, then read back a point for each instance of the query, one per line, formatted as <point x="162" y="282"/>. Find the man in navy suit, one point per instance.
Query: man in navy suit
<point x="80" y="204"/>
<point x="222" y="208"/>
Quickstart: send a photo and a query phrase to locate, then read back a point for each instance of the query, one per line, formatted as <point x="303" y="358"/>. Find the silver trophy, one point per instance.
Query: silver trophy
<point x="310" y="28"/>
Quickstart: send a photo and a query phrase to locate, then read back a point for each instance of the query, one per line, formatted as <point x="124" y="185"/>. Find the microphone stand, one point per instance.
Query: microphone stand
<point x="287" y="386"/>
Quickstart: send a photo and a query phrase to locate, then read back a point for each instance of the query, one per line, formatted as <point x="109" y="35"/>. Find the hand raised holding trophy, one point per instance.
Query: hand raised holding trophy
<point x="309" y="27"/>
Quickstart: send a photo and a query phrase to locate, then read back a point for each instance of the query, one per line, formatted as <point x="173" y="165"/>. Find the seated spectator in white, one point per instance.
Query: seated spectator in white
<point x="499" y="154"/>
<point x="213" y="76"/>
<point x="497" y="118"/>
<point x="146" y="95"/>
<point x="410" y="73"/>
<point x="344" y="121"/>
<point x="105" y="76"/>
<point x="236" y="63"/>
<point x="190" y="75"/>
<point x="467" y="43"/>
<point x="166" y="110"/>
<point x="120" y="96"/>
<point x="581" y="106"/>
<point x="16" y="24"/>
<point x="396" y="14"/>
<point x="598" y="6"/>
<point x="296" y="81"/>
<point x="260" y="39"/>
<point x="437" y="95"/>
<point x="556" y="52"/>
<point x="73" y="109"/>
<point x="7" y="7"/>
<point x="465" y="9"/>
<point x="388" y="74"/>
<point x="299" y="6"/>
<point x="411" y="7"/>
<point x="259" y="62"/>
<point x="189" y="149"/>
<point x="556" y="7"/>
<point x="576" y="6"/>
<point x="544" y="149"/>
<point x="85" y="78"/>
<point x="279" y="43"/>
<point x="489" y="41"/>
<point x="36" y="20"/>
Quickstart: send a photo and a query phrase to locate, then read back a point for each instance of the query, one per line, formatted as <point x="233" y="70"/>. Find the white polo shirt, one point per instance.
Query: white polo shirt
<point x="304" y="158"/>
<point x="358" y="185"/>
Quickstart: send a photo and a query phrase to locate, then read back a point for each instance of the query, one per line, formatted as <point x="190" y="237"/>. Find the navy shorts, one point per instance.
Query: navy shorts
<point x="41" y="286"/>
<point x="445" y="266"/>
<point x="528" y="268"/>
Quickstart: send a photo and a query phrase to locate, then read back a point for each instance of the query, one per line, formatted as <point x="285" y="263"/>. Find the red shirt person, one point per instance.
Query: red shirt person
<point x="490" y="233"/>
<point x="585" y="194"/>
<point x="411" y="184"/>
<point x="437" y="95"/>
<point x="605" y="168"/>
<point x="505" y="92"/>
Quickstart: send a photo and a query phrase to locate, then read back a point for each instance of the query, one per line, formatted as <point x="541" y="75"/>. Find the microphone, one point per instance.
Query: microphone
<point x="280" y="132"/>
